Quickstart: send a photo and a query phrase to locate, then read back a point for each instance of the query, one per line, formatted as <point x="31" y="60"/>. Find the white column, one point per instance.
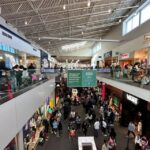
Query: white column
<point x="19" y="139"/>
<point x="24" y="60"/>
<point x="148" y="59"/>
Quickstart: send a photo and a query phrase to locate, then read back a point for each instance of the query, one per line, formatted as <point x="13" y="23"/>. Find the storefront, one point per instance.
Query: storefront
<point x="136" y="110"/>
<point x="108" y="59"/>
<point x="126" y="59"/>
<point x="141" y="56"/>
<point x="33" y="129"/>
<point x="8" y="56"/>
<point x="114" y="96"/>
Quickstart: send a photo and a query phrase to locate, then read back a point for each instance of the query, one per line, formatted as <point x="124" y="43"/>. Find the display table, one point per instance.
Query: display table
<point x="86" y="143"/>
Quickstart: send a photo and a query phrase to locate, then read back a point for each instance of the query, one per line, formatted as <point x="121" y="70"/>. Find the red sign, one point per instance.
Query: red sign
<point x="103" y="91"/>
<point x="125" y="55"/>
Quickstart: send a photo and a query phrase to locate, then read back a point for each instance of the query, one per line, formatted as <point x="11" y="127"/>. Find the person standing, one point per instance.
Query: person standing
<point x="85" y="128"/>
<point x="78" y="122"/>
<point x="105" y="145"/>
<point x="131" y="128"/>
<point x="113" y="133"/>
<point x="96" y="128"/>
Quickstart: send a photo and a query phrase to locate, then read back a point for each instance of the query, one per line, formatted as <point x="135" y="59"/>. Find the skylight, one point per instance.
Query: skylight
<point x="74" y="46"/>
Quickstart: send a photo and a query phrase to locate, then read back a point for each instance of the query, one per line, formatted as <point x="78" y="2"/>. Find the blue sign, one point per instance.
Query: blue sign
<point x="6" y="48"/>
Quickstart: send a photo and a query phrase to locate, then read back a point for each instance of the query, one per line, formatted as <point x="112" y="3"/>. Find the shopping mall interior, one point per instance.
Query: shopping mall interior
<point x="74" y="74"/>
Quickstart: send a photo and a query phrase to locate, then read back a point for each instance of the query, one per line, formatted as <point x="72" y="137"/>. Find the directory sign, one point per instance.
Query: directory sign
<point x="74" y="78"/>
<point x="81" y="78"/>
<point x="88" y="78"/>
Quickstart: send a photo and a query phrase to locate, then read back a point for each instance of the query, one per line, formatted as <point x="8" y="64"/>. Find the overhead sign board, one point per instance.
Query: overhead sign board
<point x="81" y="78"/>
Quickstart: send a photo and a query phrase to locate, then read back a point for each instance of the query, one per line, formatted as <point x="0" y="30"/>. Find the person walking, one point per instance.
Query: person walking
<point x="72" y="133"/>
<point x="104" y="126"/>
<point x="96" y="128"/>
<point x="131" y="128"/>
<point x="55" y="127"/>
<point x="59" y="128"/>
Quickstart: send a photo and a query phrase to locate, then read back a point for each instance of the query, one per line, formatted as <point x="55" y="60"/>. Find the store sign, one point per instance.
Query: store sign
<point x="108" y="54"/>
<point x="6" y="48"/>
<point x="7" y="35"/>
<point x="124" y="56"/>
<point x="133" y="99"/>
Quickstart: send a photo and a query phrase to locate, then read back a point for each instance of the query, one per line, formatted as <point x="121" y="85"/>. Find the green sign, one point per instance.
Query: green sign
<point x="81" y="78"/>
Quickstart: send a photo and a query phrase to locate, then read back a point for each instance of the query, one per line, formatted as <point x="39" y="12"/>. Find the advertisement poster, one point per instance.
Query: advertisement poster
<point x="44" y="60"/>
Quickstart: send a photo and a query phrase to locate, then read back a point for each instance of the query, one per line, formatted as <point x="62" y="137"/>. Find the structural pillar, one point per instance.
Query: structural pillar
<point x="19" y="141"/>
<point x="148" y="59"/>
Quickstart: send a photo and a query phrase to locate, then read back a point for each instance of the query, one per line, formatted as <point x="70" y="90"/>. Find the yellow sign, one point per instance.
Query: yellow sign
<point x="51" y="103"/>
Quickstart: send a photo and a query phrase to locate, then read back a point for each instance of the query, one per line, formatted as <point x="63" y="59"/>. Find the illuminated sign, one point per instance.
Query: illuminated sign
<point x="124" y="56"/>
<point x="6" y="48"/>
<point x="133" y="99"/>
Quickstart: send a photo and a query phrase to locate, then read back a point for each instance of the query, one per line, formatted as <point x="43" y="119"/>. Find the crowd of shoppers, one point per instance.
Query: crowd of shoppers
<point x="12" y="80"/>
<point x="137" y="72"/>
<point x="98" y="116"/>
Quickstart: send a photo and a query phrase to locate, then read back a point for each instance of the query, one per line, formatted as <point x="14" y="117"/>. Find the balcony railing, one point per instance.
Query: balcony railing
<point x="12" y="86"/>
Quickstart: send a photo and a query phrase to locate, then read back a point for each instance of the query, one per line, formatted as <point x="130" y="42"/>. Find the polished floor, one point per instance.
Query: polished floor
<point x="63" y="142"/>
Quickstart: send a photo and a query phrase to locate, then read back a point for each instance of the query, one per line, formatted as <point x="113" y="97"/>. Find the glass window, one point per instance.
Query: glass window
<point x="129" y="26"/>
<point x="135" y="21"/>
<point x="145" y="14"/>
<point x="141" y="16"/>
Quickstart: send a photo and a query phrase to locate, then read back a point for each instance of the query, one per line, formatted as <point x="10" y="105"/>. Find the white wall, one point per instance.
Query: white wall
<point x="136" y="91"/>
<point x="18" y="44"/>
<point x="15" y="113"/>
<point x="130" y="42"/>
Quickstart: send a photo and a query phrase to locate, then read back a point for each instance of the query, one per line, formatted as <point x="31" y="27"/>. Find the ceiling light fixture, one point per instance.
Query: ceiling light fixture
<point x="89" y="3"/>
<point x="120" y="21"/>
<point x="26" y="23"/>
<point x="64" y="7"/>
<point x="110" y="11"/>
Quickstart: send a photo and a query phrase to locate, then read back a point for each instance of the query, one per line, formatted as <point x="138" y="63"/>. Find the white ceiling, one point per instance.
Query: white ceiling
<point x="48" y="18"/>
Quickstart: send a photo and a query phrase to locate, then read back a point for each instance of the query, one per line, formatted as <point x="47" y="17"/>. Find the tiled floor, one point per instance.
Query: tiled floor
<point x="63" y="142"/>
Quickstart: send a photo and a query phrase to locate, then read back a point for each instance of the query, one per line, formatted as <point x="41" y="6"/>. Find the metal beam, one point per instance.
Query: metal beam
<point x="85" y="33"/>
<point x="80" y="24"/>
<point x="73" y="17"/>
<point x="79" y="39"/>
<point x="70" y="5"/>
<point x="65" y="11"/>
